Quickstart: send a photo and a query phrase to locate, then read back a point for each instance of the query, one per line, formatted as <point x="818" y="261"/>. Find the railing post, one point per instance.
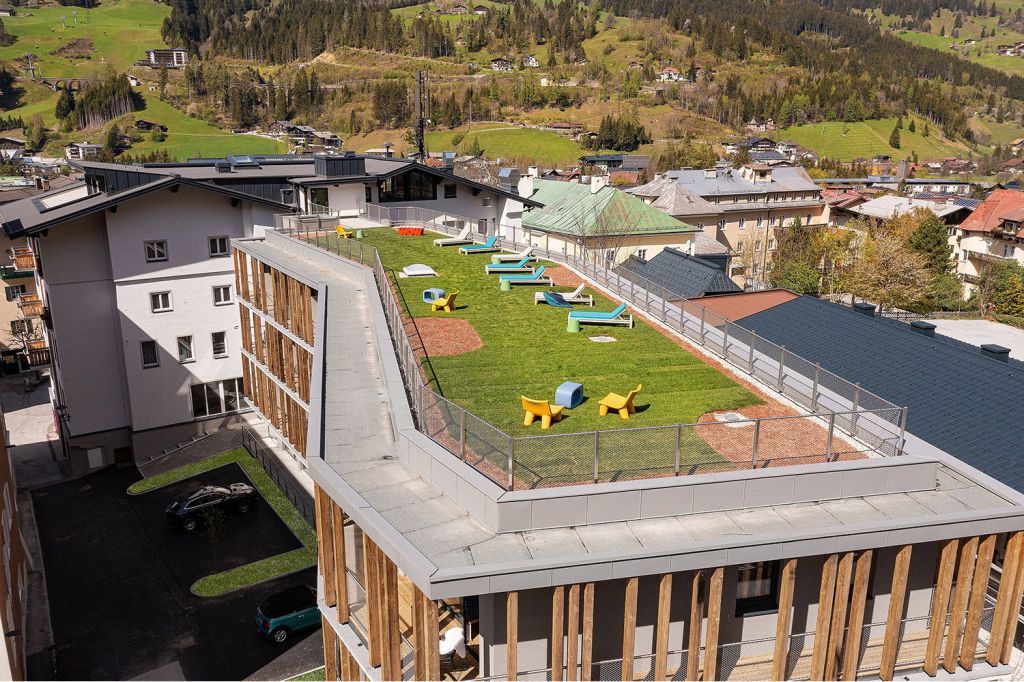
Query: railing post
<point x="853" y="416"/>
<point x="814" y="388"/>
<point x="757" y="437"/>
<point x="782" y="367"/>
<point x="511" y="463"/>
<point x="462" y="435"/>
<point x="750" y="354"/>
<point x="725" y="341"/>
<point x="903" y="430"/>
<point x="703" y="312"/>
<point x="679" y="446"/>
<point x="664" y="317"/>
<point x="596" y="447"/>
<point x="831" y="430"/>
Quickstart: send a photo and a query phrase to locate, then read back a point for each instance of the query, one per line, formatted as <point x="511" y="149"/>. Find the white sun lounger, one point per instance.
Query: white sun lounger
<point x="463" y="238"/>
<point x="575" y="296"/>
<point x="515" y="257"/>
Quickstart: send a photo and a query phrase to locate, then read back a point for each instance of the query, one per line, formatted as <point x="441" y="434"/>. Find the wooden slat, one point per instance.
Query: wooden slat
<point x="978" y="591"/>
<point x="838" y="622"/>
<point x="897" y="597"/>
<point x="714" y="622"/>
<point x="587" y="654"/>
<point x="370" y="571"/>
<point x="349" y="667"/>
<point x="340" y="571"/>
<point x="826" y="595"/>
<point x="1004" y="599"/>
<point x="330" y="640"/>
<point x="964" y="576"/>
<point x="940" y="605"/>
<point x="557" y="631"/>
<point x="629" y="628"/>
<point x="419" y="639"/>
<point x="664" y="620"/>
<point x="784" y="621"/>
<point x="433" y="637"/>
<point x="390" y="658"/>
<point x="318" y="514"/>
<point x="572" y="634"/>
<point x="858" y="604"/>
<point x="696" y="626"/>
<point x="512" y="636"/>
<point x="1015" y="607"/>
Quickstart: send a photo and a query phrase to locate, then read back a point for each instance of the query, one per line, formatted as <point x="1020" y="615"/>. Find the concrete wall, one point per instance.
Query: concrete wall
<point x="535" y="614"/>
<point x="650" y="245"/>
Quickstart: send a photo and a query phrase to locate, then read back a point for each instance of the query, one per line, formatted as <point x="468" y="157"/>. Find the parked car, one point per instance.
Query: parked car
<point x="186" y="512"/>
<point x="287" y="612"/>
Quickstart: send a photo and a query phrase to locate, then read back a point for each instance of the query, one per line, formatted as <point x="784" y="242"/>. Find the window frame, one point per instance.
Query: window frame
<point x="451" y="190"/>
<point x="191" y="349"/>
<point x="216" y="238"/>
<point x="228" y="301"/>
<point x="155" y="243"/>
<point x="763" y="603"/>
<point x="14" y="292"/>
<point x="224" y="344"/>
<point x="156" y="353"/>
<point x="222" y="395"/>
<point x="170" y="302"/>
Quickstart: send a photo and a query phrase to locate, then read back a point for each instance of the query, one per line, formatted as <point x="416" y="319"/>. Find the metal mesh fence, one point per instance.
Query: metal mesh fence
<point x="864" y="421"/>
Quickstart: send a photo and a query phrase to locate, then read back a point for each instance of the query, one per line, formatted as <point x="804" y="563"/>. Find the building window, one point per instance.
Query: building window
<point x="641" y="254"/>
<point x="487" y="202"/>
<point x="156" y="251"/>
<point x="450" y="191"/>
<point x="743" y="223"/>
<point x="150" y="354"/>
<point x="222" y="294"/>
<point x="721" y="224"/>
<point x="411" y="186"/>
<point x="757" y="588"/>
<point x="807" y="219"/>
<point x="220" y="344"/>
<point x="15" y="291"/>
<point x="185" y="352"/>
<point x="700" y="225"/>
<point x="21" y="327"/>
<point x="287" y="196"/>
<point x="216" y="397"/>
<point x="160" y="302"/>
<point x="218" y="246"/>
<point x="318" y="196"/>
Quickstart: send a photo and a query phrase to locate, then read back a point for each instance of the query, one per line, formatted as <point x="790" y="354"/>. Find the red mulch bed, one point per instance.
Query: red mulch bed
<point x="562" y="276"/>
<point x="447" y="335"/>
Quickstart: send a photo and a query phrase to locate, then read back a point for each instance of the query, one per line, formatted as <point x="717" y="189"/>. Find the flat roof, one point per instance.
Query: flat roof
<point x="979" y="332"/>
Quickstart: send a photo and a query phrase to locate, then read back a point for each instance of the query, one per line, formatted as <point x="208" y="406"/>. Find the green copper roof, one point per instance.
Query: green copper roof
<point x="571" y="208"/>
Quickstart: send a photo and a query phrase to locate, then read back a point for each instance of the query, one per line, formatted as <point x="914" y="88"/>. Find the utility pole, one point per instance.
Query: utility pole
<point x="422" y="112"/>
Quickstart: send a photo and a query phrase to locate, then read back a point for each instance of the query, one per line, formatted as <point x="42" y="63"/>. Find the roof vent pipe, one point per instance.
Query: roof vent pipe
<point x="991" y="350"/>
<point x="864" y="308"/>
<point x="922" y="327"/>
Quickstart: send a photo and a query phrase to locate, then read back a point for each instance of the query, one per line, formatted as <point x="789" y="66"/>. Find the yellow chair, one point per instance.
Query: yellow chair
<point x="342" y="232"/>
<point x="621" y="404"/>
<point x="540" y="408"/>
<point x="447" y="303"/>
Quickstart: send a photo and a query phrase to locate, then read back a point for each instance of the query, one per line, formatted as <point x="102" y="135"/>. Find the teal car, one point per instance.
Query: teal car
<point x="288" y="612"/>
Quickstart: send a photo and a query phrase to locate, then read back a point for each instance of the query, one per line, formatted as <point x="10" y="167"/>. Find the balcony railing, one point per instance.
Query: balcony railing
<point x="23" y="258"/>
<point x="875" y="425"/>
<point x="12" y="272"/>
<point x="31" y="305"/>
<point x="987" y="257"/>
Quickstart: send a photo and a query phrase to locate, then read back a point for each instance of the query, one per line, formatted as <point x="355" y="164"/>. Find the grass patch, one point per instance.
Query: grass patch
<point x="257" y="571"/>
<point x="506" y="142"/>
<point x="314" y="675"/>
<point x="864" y="139"/>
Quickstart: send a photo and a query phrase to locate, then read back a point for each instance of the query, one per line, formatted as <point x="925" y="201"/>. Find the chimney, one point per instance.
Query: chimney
<point x="448" y="161"/>
<point x="691" y="247"/>
<point x="710" y="173"/>
<point x="864" y="308"/>
<point x="597" y="182"/>
<point x="508" y="179"/>
<point x="387" y="150"/>
<point x="991" y="350"/>
<point x="532" y="172"/>
<point x="526" y="186"/>
<point x="923" y="328"/>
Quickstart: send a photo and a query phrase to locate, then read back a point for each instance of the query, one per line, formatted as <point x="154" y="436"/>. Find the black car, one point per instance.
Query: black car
<point x="185" y="512"/>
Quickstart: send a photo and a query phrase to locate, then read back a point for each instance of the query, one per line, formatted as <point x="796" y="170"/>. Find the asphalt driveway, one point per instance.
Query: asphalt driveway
<point x="119" y="595"/>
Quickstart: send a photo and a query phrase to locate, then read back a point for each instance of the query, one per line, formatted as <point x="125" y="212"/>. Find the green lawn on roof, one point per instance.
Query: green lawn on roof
<point x="527" y="351"/>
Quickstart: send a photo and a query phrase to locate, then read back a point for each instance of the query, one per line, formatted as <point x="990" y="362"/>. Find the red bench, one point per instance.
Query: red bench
<point x="410" y="231"/>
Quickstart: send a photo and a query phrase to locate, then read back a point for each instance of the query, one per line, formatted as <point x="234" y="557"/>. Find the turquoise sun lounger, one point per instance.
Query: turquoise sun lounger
<point x="522" y="266"/>
<point x="488" y="245"/>
<point x="614" y="317"/>
<point x="534" y="278"/>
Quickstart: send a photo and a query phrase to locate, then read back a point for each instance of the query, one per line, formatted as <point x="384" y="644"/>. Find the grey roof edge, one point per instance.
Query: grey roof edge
<point x="918" y="446"/>
<point x="547" y="572"/>
<point x="257" y="246"/>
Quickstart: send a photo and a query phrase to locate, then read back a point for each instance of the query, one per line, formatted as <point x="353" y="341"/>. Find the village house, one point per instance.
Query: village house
<point x="7" y="11"/>
<point x="80" y="151"/>
<point x="11" y="148"/>
<point x="501" y="64"/>
<point x="530" y="61"/>
<point x="480" y="9"/>
<point x="669" y="74"/>
<point x="145" y="125"/>
<point x="610" y="162"/>
<point x="171" y="58"/>
<point x="992" y="234"/>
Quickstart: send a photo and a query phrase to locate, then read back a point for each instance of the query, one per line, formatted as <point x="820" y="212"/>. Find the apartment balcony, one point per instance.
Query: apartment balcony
<point x="31" y="305"/>
<point x="11" y="272"/>
<point x="24" y="259"/>
<point x="986" y="257"/>
<point x="38" y="353"/>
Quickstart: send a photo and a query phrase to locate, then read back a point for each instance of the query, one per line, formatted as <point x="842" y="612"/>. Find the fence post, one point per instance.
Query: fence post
<point x="750" y="355"/>
<point x="757" y="437"/>
<point x="703" y="312"/>
<point x="679" y="446"/>
<point x="596" y="447"/>
<point x="664" y="317"/>
<point x="831" y="430"/>
<point x="462" y="435"/>
<point x="511" y="462"/>
<point x="814" y="388"/>
<point x="853" y="417"/>
<point x="782" y="367"/>
<point x="903" y="430"/>
<point x="725" y="341"/>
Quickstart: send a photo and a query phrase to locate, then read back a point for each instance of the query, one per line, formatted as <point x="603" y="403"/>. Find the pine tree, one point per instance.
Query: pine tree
<point x="931" y="240"/>
<point x="474" y="148"/>
<point x="65" y="104"/>
<point x="894" y="138"/>
<point x="927" y="131"/>
<point x="1010" y="300"/>
<point x="912" y="127"/>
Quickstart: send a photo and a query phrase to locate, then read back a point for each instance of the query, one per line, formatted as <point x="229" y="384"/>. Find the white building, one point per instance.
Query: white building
<point x="136" y="283"/>
<point x="992" y="234"/>
<point x="81" y="151"/>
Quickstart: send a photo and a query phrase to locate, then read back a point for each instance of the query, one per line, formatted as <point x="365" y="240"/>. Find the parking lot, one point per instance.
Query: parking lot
<point x="118" y="581"/>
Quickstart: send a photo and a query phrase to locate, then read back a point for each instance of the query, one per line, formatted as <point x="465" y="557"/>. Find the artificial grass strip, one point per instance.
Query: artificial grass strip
<point x="314" y="675"/>
<point x="257" y="571"/>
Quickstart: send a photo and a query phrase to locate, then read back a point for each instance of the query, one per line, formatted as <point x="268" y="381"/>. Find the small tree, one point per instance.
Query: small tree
<point x="931" y="240"/>
<point x="889" y="273"/>
<point x="474" y="148"/>
<point x="894" y="138"/>
<point x="798" y="277"/>
<point x="912" y="127"/>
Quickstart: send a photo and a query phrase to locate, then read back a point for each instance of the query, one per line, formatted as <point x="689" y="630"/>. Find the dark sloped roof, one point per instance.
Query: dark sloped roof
<point x="684" y="275"/>
<point x="958" y="400"/>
